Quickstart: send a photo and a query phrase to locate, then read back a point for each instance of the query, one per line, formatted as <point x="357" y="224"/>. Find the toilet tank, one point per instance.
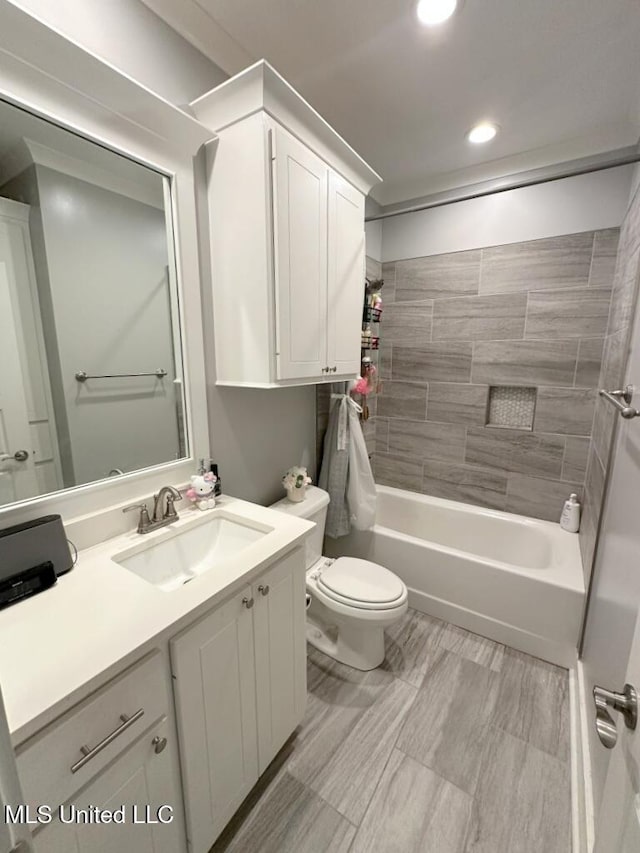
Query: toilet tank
<point x="313" y="508"/>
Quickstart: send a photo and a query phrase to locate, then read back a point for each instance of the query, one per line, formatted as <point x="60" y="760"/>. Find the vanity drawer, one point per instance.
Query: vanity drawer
<point x="52" y="765"/>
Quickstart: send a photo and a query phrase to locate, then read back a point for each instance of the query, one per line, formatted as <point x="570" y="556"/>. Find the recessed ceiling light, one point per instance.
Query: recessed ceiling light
<point x="432" y="12"/>
<point x="482" y="132"/>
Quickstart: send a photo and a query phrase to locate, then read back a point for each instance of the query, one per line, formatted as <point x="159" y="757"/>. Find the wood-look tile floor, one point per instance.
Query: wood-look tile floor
<point x="456" y="744"/>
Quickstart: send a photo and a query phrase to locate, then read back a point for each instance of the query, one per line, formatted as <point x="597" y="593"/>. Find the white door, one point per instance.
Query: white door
<point x="280" y="653"/>
<point x="619" y="814"/>
<point x="345" y="292"/>
<point x="300" y="237"/>
<point x="17" y="476"/>
<point x="214" y="686"/>
<point x="139" y="778"/>
<point x="611" y="653"/>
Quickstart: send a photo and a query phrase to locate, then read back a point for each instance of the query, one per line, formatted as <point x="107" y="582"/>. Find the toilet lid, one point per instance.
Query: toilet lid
<point x="361" y="582"/>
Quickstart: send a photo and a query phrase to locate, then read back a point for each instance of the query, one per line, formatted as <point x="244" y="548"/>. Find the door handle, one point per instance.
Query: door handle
<point x="626" y="703"/>
<point x="19" y="456"/>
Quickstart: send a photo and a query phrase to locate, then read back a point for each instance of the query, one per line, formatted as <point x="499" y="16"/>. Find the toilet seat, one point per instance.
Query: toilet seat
<point x="361" y="584"/>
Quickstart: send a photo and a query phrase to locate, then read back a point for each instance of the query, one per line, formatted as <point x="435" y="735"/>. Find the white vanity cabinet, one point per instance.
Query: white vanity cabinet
<point x="240" y="689"/>
<point x="140" y="779"/>
<point x="116" y="750"/>
<point x="279" y="638"/>
<point x="285" y="201"/>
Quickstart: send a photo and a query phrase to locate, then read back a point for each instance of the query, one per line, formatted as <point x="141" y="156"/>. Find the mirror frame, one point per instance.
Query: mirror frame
<point x="59" y="81"/>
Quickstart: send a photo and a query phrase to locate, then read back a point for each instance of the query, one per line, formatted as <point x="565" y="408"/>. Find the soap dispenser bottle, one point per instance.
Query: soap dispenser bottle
<point x="570" y="518"/>
<point x="215" y="471"/>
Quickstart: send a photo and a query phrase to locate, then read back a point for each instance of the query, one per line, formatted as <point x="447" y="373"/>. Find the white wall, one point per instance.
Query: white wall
<point x="373" y="240"/>
<point x="585" y="203"/>
<point x="130" y="37"/>
<point x="373" y="230"/>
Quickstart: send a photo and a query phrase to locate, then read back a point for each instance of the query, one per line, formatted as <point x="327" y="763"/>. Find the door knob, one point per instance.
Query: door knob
<point x="626" y="703"/>
<point x="19" y="456"/>
<point x="159" y="744"/>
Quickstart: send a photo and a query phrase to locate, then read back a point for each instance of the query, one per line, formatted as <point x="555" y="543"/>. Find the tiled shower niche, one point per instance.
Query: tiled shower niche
<point x="511" y="406"/>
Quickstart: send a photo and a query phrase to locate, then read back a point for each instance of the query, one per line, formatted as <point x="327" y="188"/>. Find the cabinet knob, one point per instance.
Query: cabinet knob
<point x="159" y="744"/>
<point x="334" y="369"/>
<point x="264" y="589"/>
<point x="248" y="602"/>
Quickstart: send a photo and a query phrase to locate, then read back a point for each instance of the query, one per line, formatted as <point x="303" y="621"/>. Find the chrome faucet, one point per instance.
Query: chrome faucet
<point x="163" y="508"/>
<point x="164" y="511"/>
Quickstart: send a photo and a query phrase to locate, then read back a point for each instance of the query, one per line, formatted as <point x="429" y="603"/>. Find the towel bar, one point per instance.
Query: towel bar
<point x="616" y="399"/>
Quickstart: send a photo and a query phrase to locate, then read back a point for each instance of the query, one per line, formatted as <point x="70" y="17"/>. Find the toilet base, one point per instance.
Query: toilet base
<point x="358" y="645"/>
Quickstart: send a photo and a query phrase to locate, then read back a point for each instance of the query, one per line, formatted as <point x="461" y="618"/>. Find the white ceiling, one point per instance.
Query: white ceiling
<point x="561" y="77"/>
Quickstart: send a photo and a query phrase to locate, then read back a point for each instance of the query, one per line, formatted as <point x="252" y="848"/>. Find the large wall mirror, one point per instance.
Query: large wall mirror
<point x="91" y="380"/>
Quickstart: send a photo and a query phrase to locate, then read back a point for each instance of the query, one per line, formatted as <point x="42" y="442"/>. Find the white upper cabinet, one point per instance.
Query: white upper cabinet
<point x="345" y="274"/>
<point x="285" y="202"/>
<point x="300" y="181"/>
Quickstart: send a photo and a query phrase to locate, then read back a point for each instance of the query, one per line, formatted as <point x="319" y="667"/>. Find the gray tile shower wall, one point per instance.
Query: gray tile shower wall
<point x="626" y="272"/>
<point x="530" y="314"/>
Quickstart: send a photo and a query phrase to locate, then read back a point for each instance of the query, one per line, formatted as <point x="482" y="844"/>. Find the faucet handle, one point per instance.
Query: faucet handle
<point x="171" y="510"/>
<point x="144" y="521"/>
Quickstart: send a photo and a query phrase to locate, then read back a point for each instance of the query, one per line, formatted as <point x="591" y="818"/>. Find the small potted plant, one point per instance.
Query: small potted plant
<point x="295" y="482"/>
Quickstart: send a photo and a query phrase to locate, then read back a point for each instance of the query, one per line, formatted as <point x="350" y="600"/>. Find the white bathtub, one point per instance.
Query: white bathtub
<point x="513" y="579"/>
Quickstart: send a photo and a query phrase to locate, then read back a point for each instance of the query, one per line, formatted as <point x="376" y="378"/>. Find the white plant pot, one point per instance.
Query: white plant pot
<point x="296" y="495"/>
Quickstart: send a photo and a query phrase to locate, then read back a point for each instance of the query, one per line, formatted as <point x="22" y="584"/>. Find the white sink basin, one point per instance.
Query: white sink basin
<point x="178" y="556"/>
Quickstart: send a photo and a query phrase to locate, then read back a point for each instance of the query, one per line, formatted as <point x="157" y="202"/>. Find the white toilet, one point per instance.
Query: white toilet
<point x="352" y="601"/>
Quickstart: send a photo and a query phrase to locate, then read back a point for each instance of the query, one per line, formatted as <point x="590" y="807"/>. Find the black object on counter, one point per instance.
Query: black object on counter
<point x="27" y="583"/>
<point x="34" y="543"/>
<point x="217" y="491"/>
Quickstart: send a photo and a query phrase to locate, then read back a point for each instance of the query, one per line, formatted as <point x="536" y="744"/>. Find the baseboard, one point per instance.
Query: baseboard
<point x="559" y="653"/>
<point x="582" y="807"/>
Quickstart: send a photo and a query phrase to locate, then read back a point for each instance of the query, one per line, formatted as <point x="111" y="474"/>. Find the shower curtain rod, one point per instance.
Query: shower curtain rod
<point x="572" y="169"/>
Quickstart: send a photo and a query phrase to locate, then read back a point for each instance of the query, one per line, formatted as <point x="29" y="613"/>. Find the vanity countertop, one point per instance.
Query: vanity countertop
<point x="59" y="645"/>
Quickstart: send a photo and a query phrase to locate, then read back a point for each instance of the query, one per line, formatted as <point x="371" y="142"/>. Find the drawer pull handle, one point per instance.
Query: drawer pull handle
<point x="90" y="752"/>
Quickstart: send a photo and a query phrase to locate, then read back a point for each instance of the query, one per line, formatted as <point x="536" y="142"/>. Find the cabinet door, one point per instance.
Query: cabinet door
<point x="140" y="782"/>
<point x="281" y="655"/>
<point x="214" y="672"/>
<point x="300" y="257"/>
<point x="345" y="292"/>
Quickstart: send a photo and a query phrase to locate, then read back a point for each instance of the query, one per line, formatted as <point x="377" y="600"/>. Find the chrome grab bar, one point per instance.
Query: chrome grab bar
<point x="90" y="752"/>
<point x="622" y="401"/>
<point x="82" y="375"/>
